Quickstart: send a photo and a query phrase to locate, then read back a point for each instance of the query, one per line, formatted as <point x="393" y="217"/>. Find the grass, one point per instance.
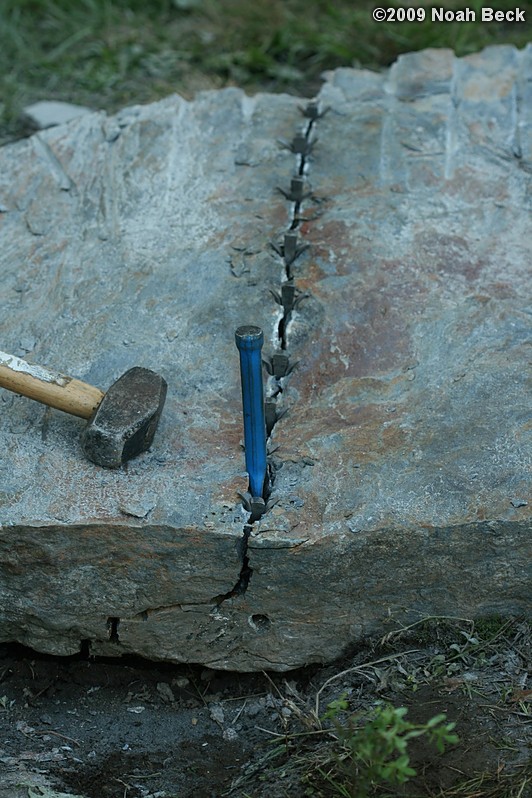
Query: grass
<point x="348" y="738"/>
<point x="111" y="53"/>
<point x="516" y="784"/>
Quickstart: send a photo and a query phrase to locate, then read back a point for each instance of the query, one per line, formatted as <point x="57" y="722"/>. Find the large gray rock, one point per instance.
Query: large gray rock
<point x="143" y="239"/>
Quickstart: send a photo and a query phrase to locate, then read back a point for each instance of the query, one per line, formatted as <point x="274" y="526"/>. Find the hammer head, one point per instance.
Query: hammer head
<point x="125" y="421"/>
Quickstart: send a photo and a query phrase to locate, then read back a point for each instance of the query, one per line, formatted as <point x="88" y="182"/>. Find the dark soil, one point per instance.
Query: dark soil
<point x="132" y="729"/>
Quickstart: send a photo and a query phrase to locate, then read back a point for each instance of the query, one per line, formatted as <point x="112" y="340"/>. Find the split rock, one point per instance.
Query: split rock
<point x="144" y="239"/>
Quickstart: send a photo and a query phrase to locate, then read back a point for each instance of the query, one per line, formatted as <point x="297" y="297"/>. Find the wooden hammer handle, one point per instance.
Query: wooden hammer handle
<point x="50" y="388"/>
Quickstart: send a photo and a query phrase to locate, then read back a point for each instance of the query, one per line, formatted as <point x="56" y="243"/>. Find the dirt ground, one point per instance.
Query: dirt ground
<point x="123" y="728"/>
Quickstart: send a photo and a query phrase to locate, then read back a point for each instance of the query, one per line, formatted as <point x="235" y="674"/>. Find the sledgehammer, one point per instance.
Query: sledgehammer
<point x="122" y="422"/>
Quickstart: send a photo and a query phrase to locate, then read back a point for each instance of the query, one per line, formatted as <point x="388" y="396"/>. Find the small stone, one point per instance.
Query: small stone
<point x="187" y="5"/>
<point x="182" y="682"/>
<point x="252" y="710"/>
<point x="24" y="727"/>
<point x="112" y="130"/>
<point x="217" y="714"/>
<point x="27" y="344"/>
<point x="48" y="113"/>
<point x="138" y="509"/>
<point x="165" y="691"/>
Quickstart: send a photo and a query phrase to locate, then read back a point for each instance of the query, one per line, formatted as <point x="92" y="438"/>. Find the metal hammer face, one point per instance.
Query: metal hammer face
<point x="125" y="422"/>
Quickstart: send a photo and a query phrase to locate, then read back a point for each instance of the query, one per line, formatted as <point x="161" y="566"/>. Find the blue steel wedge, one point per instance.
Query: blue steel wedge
<point x="249" y="340"/>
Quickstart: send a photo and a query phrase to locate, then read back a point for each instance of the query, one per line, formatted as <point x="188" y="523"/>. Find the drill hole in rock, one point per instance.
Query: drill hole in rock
<point x="260" y="623"/>
<point x="112" y="629"/>
<point x="85" y="649"/>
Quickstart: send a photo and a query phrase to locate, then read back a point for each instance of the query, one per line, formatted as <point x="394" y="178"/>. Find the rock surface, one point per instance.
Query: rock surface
<point x="144" y="239"/>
